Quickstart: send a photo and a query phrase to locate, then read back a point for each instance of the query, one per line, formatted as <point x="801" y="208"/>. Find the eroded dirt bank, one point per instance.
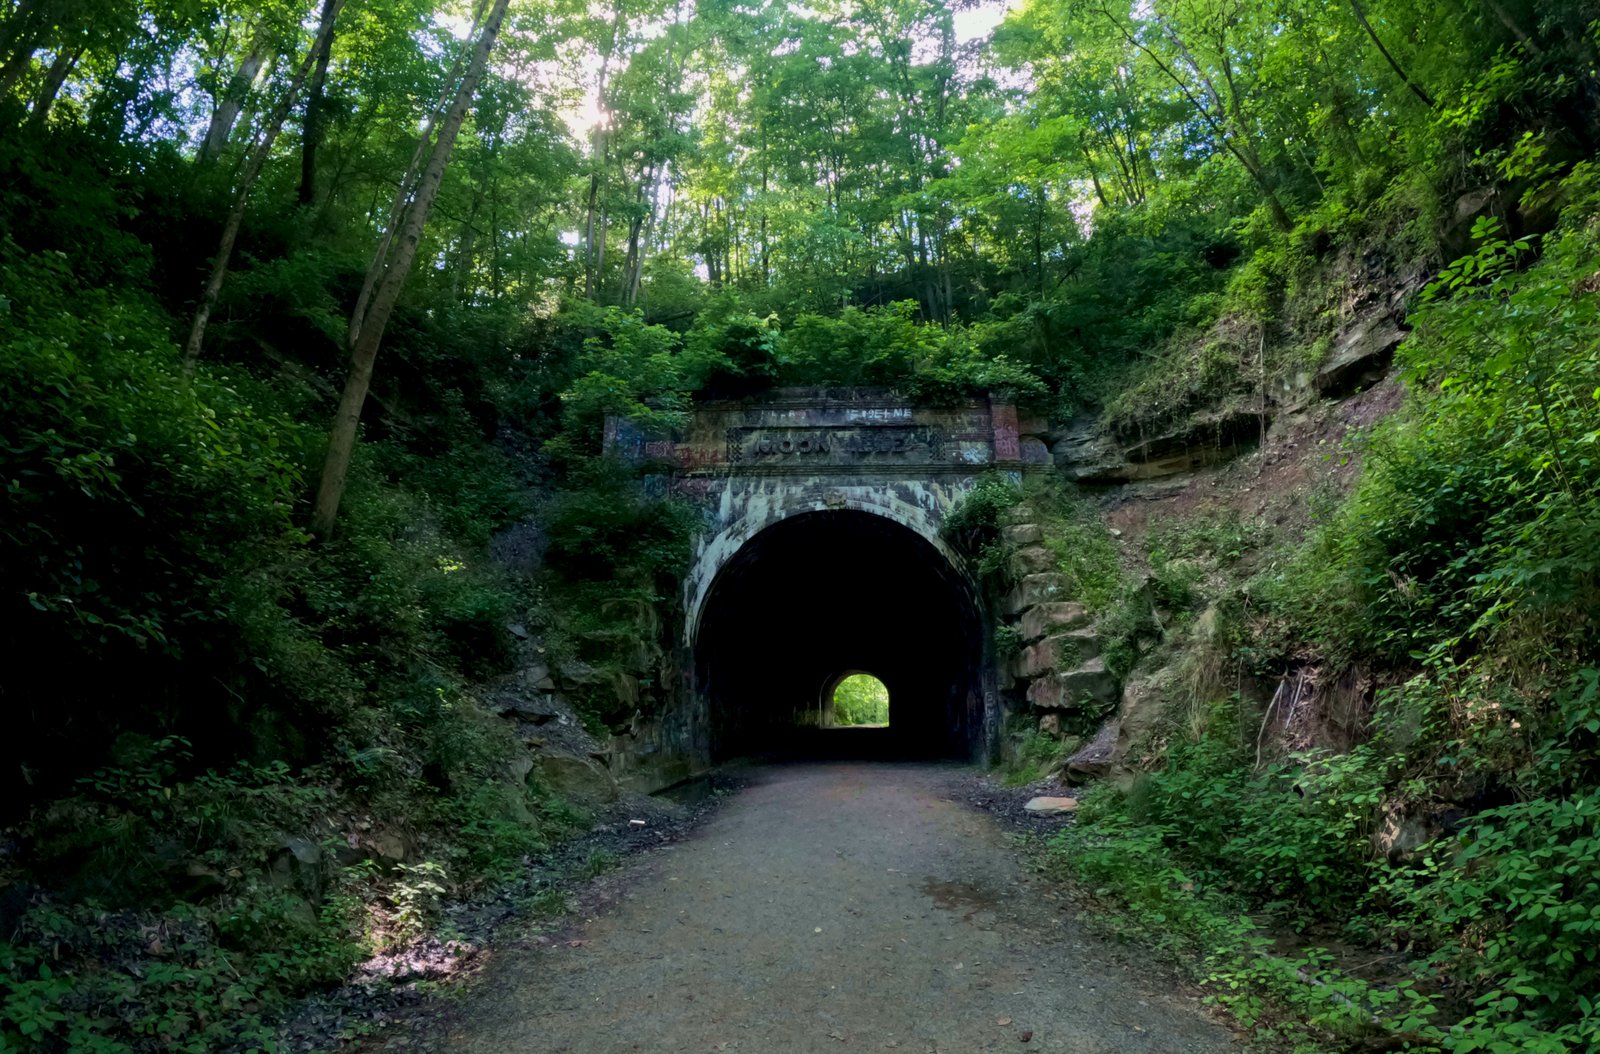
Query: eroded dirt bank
<point x="831" y="907"/>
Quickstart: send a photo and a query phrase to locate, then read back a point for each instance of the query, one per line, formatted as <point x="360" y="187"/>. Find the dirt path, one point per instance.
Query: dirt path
<point x="831" y="907"/>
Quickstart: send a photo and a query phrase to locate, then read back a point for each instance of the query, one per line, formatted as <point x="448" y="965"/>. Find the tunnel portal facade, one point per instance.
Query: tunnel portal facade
<point x="820" y="554"/>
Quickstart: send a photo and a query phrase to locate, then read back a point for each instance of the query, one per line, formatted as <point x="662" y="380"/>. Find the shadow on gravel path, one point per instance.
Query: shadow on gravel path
<point x="831" y="907"/>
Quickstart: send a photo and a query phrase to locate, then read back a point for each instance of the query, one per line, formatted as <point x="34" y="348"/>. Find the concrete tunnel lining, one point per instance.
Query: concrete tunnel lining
<point x="820" y="593"/>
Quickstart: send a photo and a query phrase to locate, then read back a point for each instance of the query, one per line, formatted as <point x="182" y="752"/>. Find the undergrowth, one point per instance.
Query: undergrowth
<point x="1455" y="836"/>
<point x="263" y="758"/>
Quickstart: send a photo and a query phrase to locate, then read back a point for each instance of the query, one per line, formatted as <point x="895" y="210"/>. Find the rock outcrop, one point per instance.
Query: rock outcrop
<point x="1058" y="669"/>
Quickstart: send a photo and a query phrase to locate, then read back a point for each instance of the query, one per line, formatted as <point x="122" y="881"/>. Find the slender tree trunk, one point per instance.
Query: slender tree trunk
<point x="636" y="226"/>
<point x="19" y="39"/>
<point x="1038" y="240"/>
<point x="1499" y="11"/>
<point x="1240" y="149"/>
<point x="258" y="157"/>
<point x="647" y="235"/>
<point x="766" y="251"/>
<point x="316" y="116"/>
<point x="364" y="350"/>
<point x="402" y="197"/>
<point x="495" y="258"/>
<point x="463" y="265"/>
<point x="15" y="67"/>
<point x="17" y="24"/>
<point x="599" y="157"/>
<point x="1239" y="142"/>
<point x="226" y="114"/>
<point x="1361" y="16"/>
<point x="1094" y="177"/>
<point x="66" y="61"/>
<point x="949" y="291"/>
<point x="590" y="265"/>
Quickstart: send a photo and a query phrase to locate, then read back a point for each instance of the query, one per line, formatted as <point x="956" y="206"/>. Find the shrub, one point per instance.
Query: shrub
<point x="974" y="524"/>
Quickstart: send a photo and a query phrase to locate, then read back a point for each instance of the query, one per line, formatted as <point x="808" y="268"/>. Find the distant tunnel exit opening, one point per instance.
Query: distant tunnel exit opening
<point x="819" y="598"/>
<point x="857" y="700"/>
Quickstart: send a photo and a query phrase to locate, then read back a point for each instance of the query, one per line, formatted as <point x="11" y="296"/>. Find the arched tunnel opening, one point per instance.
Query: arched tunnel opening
<point x="822" y="595"/>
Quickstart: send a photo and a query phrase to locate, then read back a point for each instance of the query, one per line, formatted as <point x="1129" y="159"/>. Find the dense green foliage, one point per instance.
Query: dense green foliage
<point x="1155" y="211"/>
<point x="861" y="699"/>
<point x="160" y="582"/>
<point x="1461" y="573"/>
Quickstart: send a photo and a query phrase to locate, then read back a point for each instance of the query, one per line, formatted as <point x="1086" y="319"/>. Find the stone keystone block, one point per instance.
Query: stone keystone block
<point x="1068" y="691"/>
<point x="1034" y="560"/>
<point x="1052" y="618"/>
<point x="1023" y="534"/>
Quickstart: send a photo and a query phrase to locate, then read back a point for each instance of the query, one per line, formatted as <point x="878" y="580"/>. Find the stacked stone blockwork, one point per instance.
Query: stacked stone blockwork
<point x="1058" y="669"/>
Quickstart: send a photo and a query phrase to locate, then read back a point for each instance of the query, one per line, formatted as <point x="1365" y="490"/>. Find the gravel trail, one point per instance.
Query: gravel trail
<point x="829" y="908"/>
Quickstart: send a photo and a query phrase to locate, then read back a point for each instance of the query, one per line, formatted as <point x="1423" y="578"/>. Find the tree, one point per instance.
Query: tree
<point x="316" y="119"/>
<point x="261" y="149"/>
<point x="229" y="104"/>
<point x="387" y="275"/>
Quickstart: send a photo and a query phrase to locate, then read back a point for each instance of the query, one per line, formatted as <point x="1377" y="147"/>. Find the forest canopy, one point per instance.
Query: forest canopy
<point x="1064" y="191"/>
<point x="214" y="214"/>
<point x="308" y="306"/>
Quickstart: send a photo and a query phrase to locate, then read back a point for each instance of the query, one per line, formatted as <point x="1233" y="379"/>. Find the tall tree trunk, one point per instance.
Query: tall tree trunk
<point x="13" y="69"/>
<point x="19" y="39"/>
<point x="647" y="235"/>
<point x="1094" y="176"/>
<point x="590" y="264"/>
<point x="66" y="61"/>
<point x="17" y="24"/>
<point x="599" y="157"/>
<point x="766" y="249"/>
<point x="316" y="117"/>
<point x="1394" y="64"/>
<point x="1236" y="144"/>
<point x="404" y="195"/>
<point x="630" y="264"/>
<point x="949" y="291"/>
<point x="247" y="181"/>
<point x="1038" y="240"/>
<point x="1506" y="19"/>
<point x="364" y="350"/>
<point x="469" y="231"/>
<point x="496" y="288"/>
<point x="226" y="113"/>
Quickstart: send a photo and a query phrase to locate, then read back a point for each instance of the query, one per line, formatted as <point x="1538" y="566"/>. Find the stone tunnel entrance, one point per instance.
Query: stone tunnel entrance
<point x="819" y="555"/>
<point x="823" y="594"/>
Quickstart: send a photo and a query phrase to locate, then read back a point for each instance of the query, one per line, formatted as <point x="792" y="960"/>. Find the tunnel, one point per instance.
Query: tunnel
<point x="821" y="595"/>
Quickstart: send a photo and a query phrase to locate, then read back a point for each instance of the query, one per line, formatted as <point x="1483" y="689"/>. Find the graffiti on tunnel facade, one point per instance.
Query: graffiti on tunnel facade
<point x="767" y="467"/>
<point x="751" y="463"/>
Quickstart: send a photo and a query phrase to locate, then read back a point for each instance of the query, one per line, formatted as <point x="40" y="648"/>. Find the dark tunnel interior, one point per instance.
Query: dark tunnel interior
<point x="823" y="594"/>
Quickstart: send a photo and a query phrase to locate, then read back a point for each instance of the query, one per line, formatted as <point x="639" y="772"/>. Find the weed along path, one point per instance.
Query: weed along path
<point x="830" y="907"/>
